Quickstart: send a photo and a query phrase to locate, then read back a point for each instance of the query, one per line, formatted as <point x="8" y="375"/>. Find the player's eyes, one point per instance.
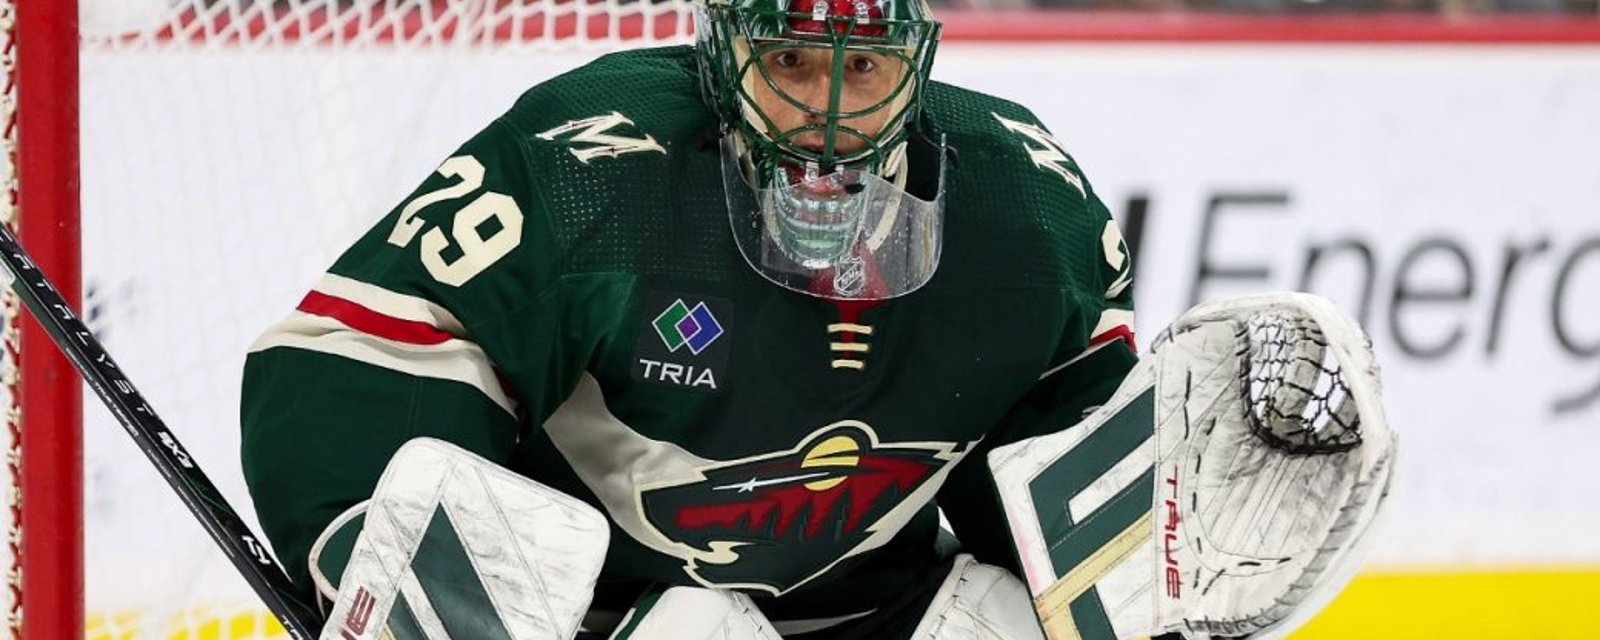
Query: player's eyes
<point x="861" y="64"/>
<point x="784" y="59"/>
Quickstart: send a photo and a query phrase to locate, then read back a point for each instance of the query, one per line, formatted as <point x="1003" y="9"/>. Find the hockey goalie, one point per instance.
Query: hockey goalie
<point x="1225" y="491"/>
<point x="700" y="342"/>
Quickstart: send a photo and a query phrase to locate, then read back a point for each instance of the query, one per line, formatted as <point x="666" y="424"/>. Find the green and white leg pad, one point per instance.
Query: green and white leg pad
<point x="978" y="602"/>
<point x="454" y="546"/>
<point x="1226" y="488"/>
<point x="694" y="613"/>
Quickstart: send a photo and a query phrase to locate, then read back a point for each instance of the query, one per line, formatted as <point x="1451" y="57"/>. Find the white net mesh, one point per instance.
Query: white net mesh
<point x="274" y="25"/>
<point x="230" y="149"/>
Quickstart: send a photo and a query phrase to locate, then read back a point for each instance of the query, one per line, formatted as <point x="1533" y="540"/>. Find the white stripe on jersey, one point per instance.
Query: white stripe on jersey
<point x="458" y="360"/>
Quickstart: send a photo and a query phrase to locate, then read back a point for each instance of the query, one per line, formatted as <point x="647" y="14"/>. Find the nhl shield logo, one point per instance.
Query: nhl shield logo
<point x="774" y="522"/>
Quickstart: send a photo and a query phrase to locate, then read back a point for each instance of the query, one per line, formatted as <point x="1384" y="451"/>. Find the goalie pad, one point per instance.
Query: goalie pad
<point x="975" y="602"/>
<point x="455" y="546"/>
<point x="978" y="602"/>
<point x="1225" y="489"/>
<point x="694" y="613"/>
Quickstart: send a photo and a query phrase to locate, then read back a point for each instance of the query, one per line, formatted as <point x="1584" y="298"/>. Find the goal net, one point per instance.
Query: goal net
<point x="229" y="150"/>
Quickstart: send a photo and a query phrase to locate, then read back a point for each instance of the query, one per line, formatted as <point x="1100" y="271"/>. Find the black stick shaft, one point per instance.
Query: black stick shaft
<point x="241" y="545"/>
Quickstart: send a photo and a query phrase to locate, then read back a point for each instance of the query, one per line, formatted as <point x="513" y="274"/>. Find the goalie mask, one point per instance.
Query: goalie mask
<point x="819" y="101"/>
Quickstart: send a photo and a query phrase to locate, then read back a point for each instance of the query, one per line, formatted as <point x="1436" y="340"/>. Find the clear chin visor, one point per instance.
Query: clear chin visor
<point x="847" y="235"/>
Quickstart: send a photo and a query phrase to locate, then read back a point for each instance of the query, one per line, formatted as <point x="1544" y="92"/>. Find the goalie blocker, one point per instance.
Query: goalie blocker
<point x="454" y="546"/>
<point x="1225" y="490"/>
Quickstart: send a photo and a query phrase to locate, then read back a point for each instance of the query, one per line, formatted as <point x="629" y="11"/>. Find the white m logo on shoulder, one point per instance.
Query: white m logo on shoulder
<point x="1048" y="155"/>
<point x="594" y="131"/>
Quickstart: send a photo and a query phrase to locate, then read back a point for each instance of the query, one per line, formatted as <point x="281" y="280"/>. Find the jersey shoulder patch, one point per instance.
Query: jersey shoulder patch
<point x="617" y="152"/>
<point x="1017" y="192"/>
<point x="1001" y="130"/>
<point x="630" y="104"/>
<point x="602" y="136"/>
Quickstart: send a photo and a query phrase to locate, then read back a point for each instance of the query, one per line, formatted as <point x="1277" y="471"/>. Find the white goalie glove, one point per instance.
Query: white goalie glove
<point x="1224" y="491"/>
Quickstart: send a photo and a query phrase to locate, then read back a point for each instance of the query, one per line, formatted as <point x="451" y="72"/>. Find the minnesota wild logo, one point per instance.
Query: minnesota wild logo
<point x="597" y="140"/>
<point x="773" y="522"/>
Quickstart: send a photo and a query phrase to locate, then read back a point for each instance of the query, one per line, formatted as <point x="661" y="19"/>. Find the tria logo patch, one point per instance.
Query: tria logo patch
<point x="679" y="326"/>
<point x="684" y="345"/>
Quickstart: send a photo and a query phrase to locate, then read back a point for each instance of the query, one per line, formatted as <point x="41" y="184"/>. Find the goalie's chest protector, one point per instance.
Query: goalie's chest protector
<point x="738" y="434"/>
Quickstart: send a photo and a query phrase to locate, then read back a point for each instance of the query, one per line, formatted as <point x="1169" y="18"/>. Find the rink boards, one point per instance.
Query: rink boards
<point x="1446" y="195"/>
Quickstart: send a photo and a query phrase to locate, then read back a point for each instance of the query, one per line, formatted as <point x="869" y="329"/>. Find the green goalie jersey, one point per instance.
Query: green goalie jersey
<point x="563" y="296"/>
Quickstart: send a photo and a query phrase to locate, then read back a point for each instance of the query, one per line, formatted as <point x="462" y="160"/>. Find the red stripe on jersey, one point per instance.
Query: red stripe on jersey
<point x="1120" y="332"/>
<point x="371" y="322"/>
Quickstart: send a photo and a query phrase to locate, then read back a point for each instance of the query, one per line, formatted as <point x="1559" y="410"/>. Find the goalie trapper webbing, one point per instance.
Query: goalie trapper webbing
<point x="1299" y="399"/>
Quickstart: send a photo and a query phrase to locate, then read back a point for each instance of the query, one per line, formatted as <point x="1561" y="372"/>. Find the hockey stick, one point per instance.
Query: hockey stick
<point x="240" y="544"/>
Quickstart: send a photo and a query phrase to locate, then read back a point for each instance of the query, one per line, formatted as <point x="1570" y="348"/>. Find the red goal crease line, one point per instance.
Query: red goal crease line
<point x="626" y="22"/>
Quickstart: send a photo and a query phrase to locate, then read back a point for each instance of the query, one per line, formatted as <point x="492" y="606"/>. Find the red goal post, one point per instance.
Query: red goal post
<point x="327" y="45"/>
<point x="43" y="397"/>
